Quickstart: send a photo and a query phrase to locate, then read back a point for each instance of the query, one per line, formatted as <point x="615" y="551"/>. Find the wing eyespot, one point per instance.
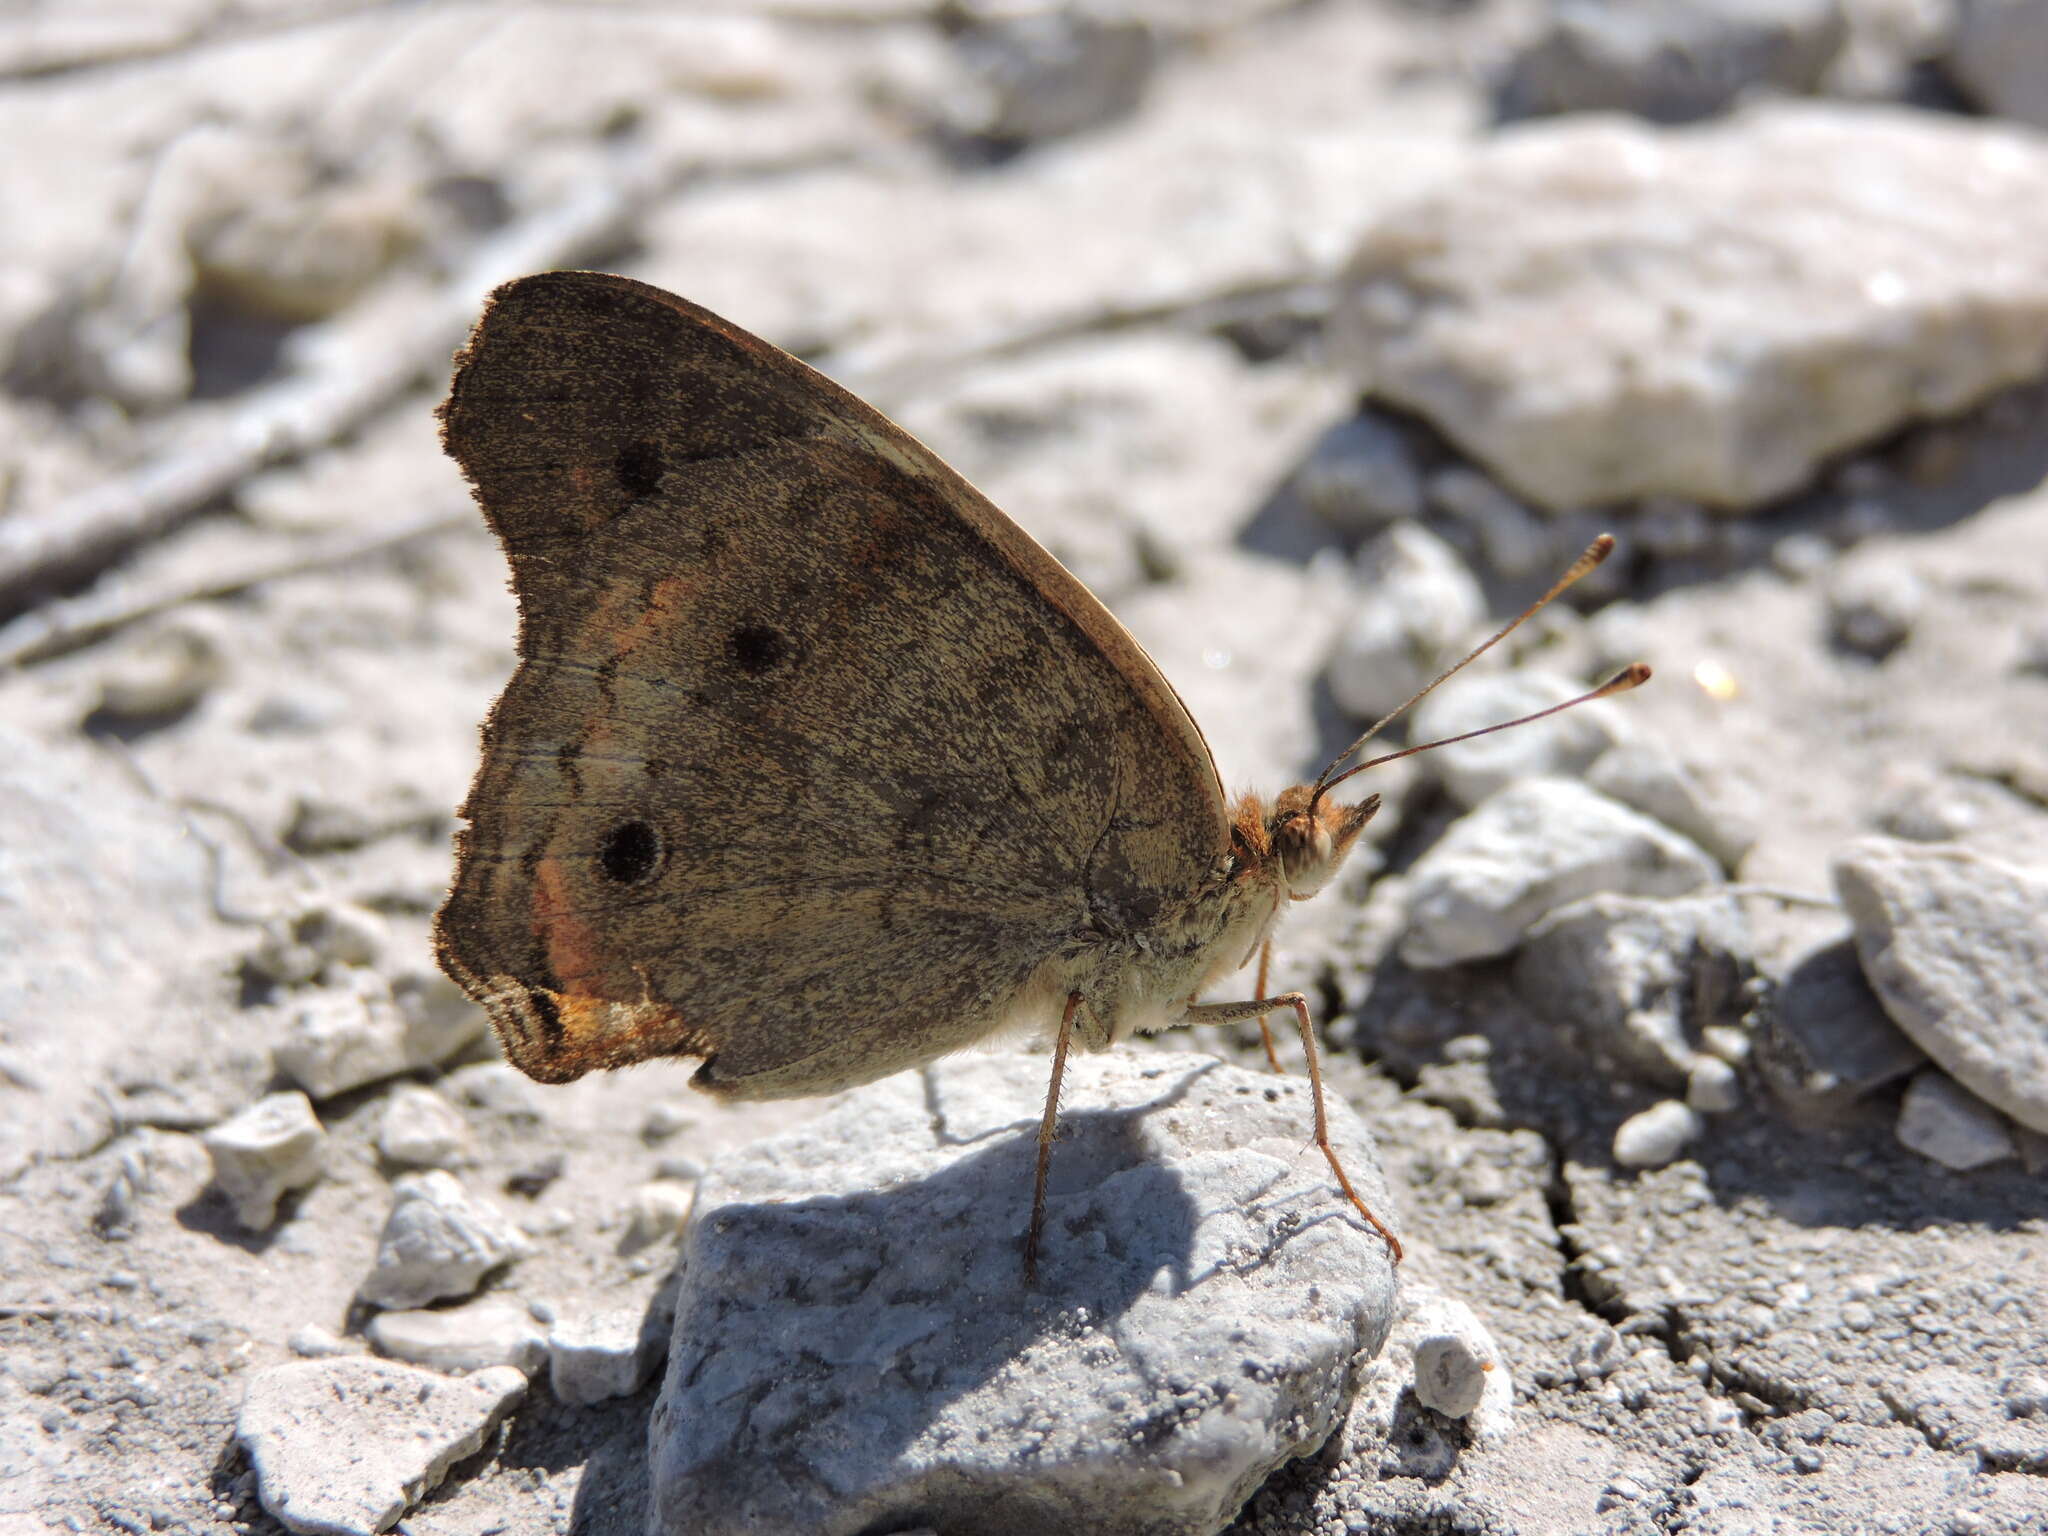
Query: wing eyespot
<point x="757" y="648"/>
<point x="632" y="853"/>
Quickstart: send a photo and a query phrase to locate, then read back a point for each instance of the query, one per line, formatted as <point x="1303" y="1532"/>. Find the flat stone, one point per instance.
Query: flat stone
<point x="438" y="1242"/>
<point x="1534" y="847"/>
<point x="344" y="1447"/>
<point x="493" y="1330"/>
<point x="855" y="1348"/>
<point x="1941" y="1120"/>
<point x="1601" y="311"/>
<point x="1955" y="944"/>
<point x="1637" y="979"/>
<point x="274" y="1146"/>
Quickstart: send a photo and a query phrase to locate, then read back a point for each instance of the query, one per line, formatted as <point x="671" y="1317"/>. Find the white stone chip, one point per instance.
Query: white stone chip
<point x="1527" y="851"/>
<point x="606" y="1352"/>
<point x="438" y="1242"/>
<point x="1943" y="1121"/>
<point x="345" y="1447"/>
<point x="274" y="1146"/>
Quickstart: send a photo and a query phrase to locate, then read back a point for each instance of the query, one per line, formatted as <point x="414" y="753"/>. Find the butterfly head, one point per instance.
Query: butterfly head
<point x="1311" y="838"/>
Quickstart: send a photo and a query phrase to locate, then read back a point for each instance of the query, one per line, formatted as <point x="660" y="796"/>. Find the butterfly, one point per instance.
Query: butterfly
<point x="815" y="766"/>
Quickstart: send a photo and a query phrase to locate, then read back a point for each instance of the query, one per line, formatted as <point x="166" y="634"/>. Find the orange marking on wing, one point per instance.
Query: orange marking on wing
<point x="571" y="942"/>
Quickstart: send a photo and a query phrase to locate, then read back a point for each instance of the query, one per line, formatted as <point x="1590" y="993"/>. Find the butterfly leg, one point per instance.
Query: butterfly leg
<point x="1045" y="1131"/>
<point x="1265" y="1034"/>
<point x="1227" y="1013"/>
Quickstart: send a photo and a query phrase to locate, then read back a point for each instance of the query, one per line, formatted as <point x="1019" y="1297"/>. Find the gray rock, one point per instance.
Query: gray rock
<point x="1637" y="979"/>
<point x="417" y="1128"/>
<point x="855" y="1347"/>
<point x="162" y="677"/>
<point x="1830" y="1042"/>
<point x="1711" y="1086"/>
<point x="1049" y="74"/>
<point x="656" y="1211"/>
<point x="1647" y="776"/>
<point x="439" y="1241"/>
<point x="302" y="948"/>
<point x="1512" y="540"/>
<point x="345" y="1447"/>
<point x="607" y="1351"/>
<point x="1940" y="1120"/>
<point x="1670" y="60"/>
<point x="1655" y="1136"/>
<point x="1534" y="847"/>
<point x="1565" y="744"/>
<point x="1955" y="944"/>
<point x="1418" y="607"/>
<point x="314" y="1342"/>
<point x="494" y="1330"/>
<point x="1360" y="476"/>
<point x="1876" y="287"/>
<point x="1999" y="56"/>
<point x="274" y="1146"/>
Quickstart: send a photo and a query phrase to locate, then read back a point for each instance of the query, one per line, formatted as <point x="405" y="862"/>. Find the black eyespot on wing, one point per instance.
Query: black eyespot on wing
<point x="639" y="468"/>
<point x="631" y="854"/>
<point x="755" y="648"/>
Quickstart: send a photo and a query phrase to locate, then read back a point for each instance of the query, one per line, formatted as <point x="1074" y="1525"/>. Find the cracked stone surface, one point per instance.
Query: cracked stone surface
<point x="231" y="746"/>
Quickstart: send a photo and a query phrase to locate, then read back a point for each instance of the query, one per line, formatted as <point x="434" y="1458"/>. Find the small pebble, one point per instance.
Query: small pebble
<point x="657" y="1210"/>
<point x="317" y="1343"/>
<point x="1655" y="1136"/>
<point x="1711" y="1086"/>
<point x="274" y="1146"/>
<point x="664" y="1120"/>
<point x="420" y="1129"/>
<point x="439" y="1241"/>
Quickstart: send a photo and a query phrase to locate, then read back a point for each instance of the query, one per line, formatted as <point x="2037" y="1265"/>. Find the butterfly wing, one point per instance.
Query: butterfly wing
<point x="812" y="756"/>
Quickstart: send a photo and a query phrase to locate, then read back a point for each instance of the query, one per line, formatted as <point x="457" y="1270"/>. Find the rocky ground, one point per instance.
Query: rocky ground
<point x="1703" y="1032"/>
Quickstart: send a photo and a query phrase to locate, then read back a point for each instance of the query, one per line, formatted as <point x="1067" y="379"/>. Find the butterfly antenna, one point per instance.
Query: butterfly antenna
<point x="1621" y="682"/>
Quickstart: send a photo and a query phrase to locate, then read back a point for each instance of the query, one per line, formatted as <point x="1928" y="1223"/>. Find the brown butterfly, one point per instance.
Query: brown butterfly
<point x="815" y="765"/>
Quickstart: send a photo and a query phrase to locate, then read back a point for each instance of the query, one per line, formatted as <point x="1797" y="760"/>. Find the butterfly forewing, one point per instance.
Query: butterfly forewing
<point x="811" y="757"/>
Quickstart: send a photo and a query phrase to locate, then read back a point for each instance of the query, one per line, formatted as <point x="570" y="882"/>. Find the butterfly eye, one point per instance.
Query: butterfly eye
<point x="631" y="854"/>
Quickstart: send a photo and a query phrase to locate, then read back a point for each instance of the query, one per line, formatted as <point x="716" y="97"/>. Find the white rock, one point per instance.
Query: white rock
<point x="656" y="1211"/>
<point x="1601" y="311"/>
<point x="1655" y="1136"/>
<point x="1711" y="1086"/>
<point x="1417" y="609"/>
<point x="417" y="1128"/>
<point x="1527" y="851"/>
<point x="605" y="1352"/>
<point x="1635" y="979"/>
<point x="494" y="1330"/>
<point x="343" y="1036"/>
<point x="345" y="1447"/>
<point x="438" y="1241"/>
<point x="274" y="1146"/>
<point x="2000" y="57"/>
<point x="855" y="1350"/>
<point x="1873" y="605"/>
<point x="1645" y="775"/>
<point x="1565" y="744"/>
<point x="1943" y="1121"/>
<point x="1955" y="944"/>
